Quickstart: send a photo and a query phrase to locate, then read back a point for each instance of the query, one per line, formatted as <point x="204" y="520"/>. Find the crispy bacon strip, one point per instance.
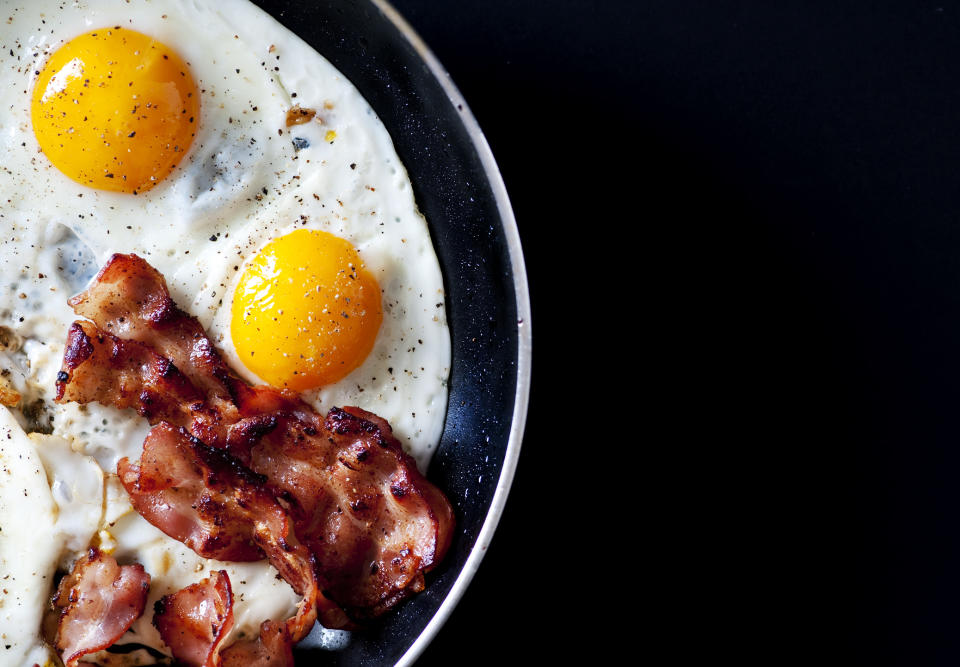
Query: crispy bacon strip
<point x="372" y="523"/>
<point x="183" y="488"/>
<point x="129" y="299"/>
<point x="99" y="600"/>
<point x="98" y="366"/>
<point x="206" y="499"/>
<point x="195" y="620"/>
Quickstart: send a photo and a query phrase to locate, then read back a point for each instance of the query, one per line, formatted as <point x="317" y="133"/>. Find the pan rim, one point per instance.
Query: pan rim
<point x="524" y="334"/>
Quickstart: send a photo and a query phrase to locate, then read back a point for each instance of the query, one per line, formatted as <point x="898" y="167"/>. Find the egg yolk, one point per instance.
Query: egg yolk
<point x="115" y="110"/>
<point x="305" y="312"/>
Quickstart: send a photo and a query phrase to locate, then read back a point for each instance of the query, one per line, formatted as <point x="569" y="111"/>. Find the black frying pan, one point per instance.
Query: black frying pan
<point x="460" y="192"/>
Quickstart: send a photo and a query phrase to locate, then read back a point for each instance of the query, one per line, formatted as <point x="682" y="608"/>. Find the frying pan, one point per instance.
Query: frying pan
<point x="460" y="192"/>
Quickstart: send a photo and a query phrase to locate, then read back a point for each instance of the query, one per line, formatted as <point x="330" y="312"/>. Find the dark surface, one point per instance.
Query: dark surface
<point x="772" y="189"/>
<point x="556" y="88"/>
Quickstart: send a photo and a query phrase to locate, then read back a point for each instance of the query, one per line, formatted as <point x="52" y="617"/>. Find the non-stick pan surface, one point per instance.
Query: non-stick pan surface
<point x="459" y="191"/>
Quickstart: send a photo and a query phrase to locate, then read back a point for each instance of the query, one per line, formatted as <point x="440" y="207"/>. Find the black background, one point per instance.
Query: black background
<point x="741" y="222"/>
<point x="555" y="86"/>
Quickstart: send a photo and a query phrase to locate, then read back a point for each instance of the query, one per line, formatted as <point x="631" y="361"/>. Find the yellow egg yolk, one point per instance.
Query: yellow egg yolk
<point x="305" y="312"/>
<point x="115" y="110"/>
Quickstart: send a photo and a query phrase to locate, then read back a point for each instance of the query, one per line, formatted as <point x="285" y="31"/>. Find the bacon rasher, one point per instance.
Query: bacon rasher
<point x="212" y="503"/>
<point x="98" y="601"/>
<point x="350" y="499"/>
<point x="195" y="620"/>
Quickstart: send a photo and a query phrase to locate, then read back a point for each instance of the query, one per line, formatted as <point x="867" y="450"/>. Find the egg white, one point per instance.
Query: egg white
<point x="243" y="183"/>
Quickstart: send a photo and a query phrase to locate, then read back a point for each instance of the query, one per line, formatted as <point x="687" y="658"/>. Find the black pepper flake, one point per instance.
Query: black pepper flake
<point x="353" y="165"/>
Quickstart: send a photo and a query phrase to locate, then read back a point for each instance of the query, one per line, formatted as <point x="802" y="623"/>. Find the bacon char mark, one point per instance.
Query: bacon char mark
<point x="194" y="621"/>
<point x="98" y="601"/>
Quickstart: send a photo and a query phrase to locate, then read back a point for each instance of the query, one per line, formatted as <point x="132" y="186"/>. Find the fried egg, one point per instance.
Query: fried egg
<point x="217" y="145"/>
